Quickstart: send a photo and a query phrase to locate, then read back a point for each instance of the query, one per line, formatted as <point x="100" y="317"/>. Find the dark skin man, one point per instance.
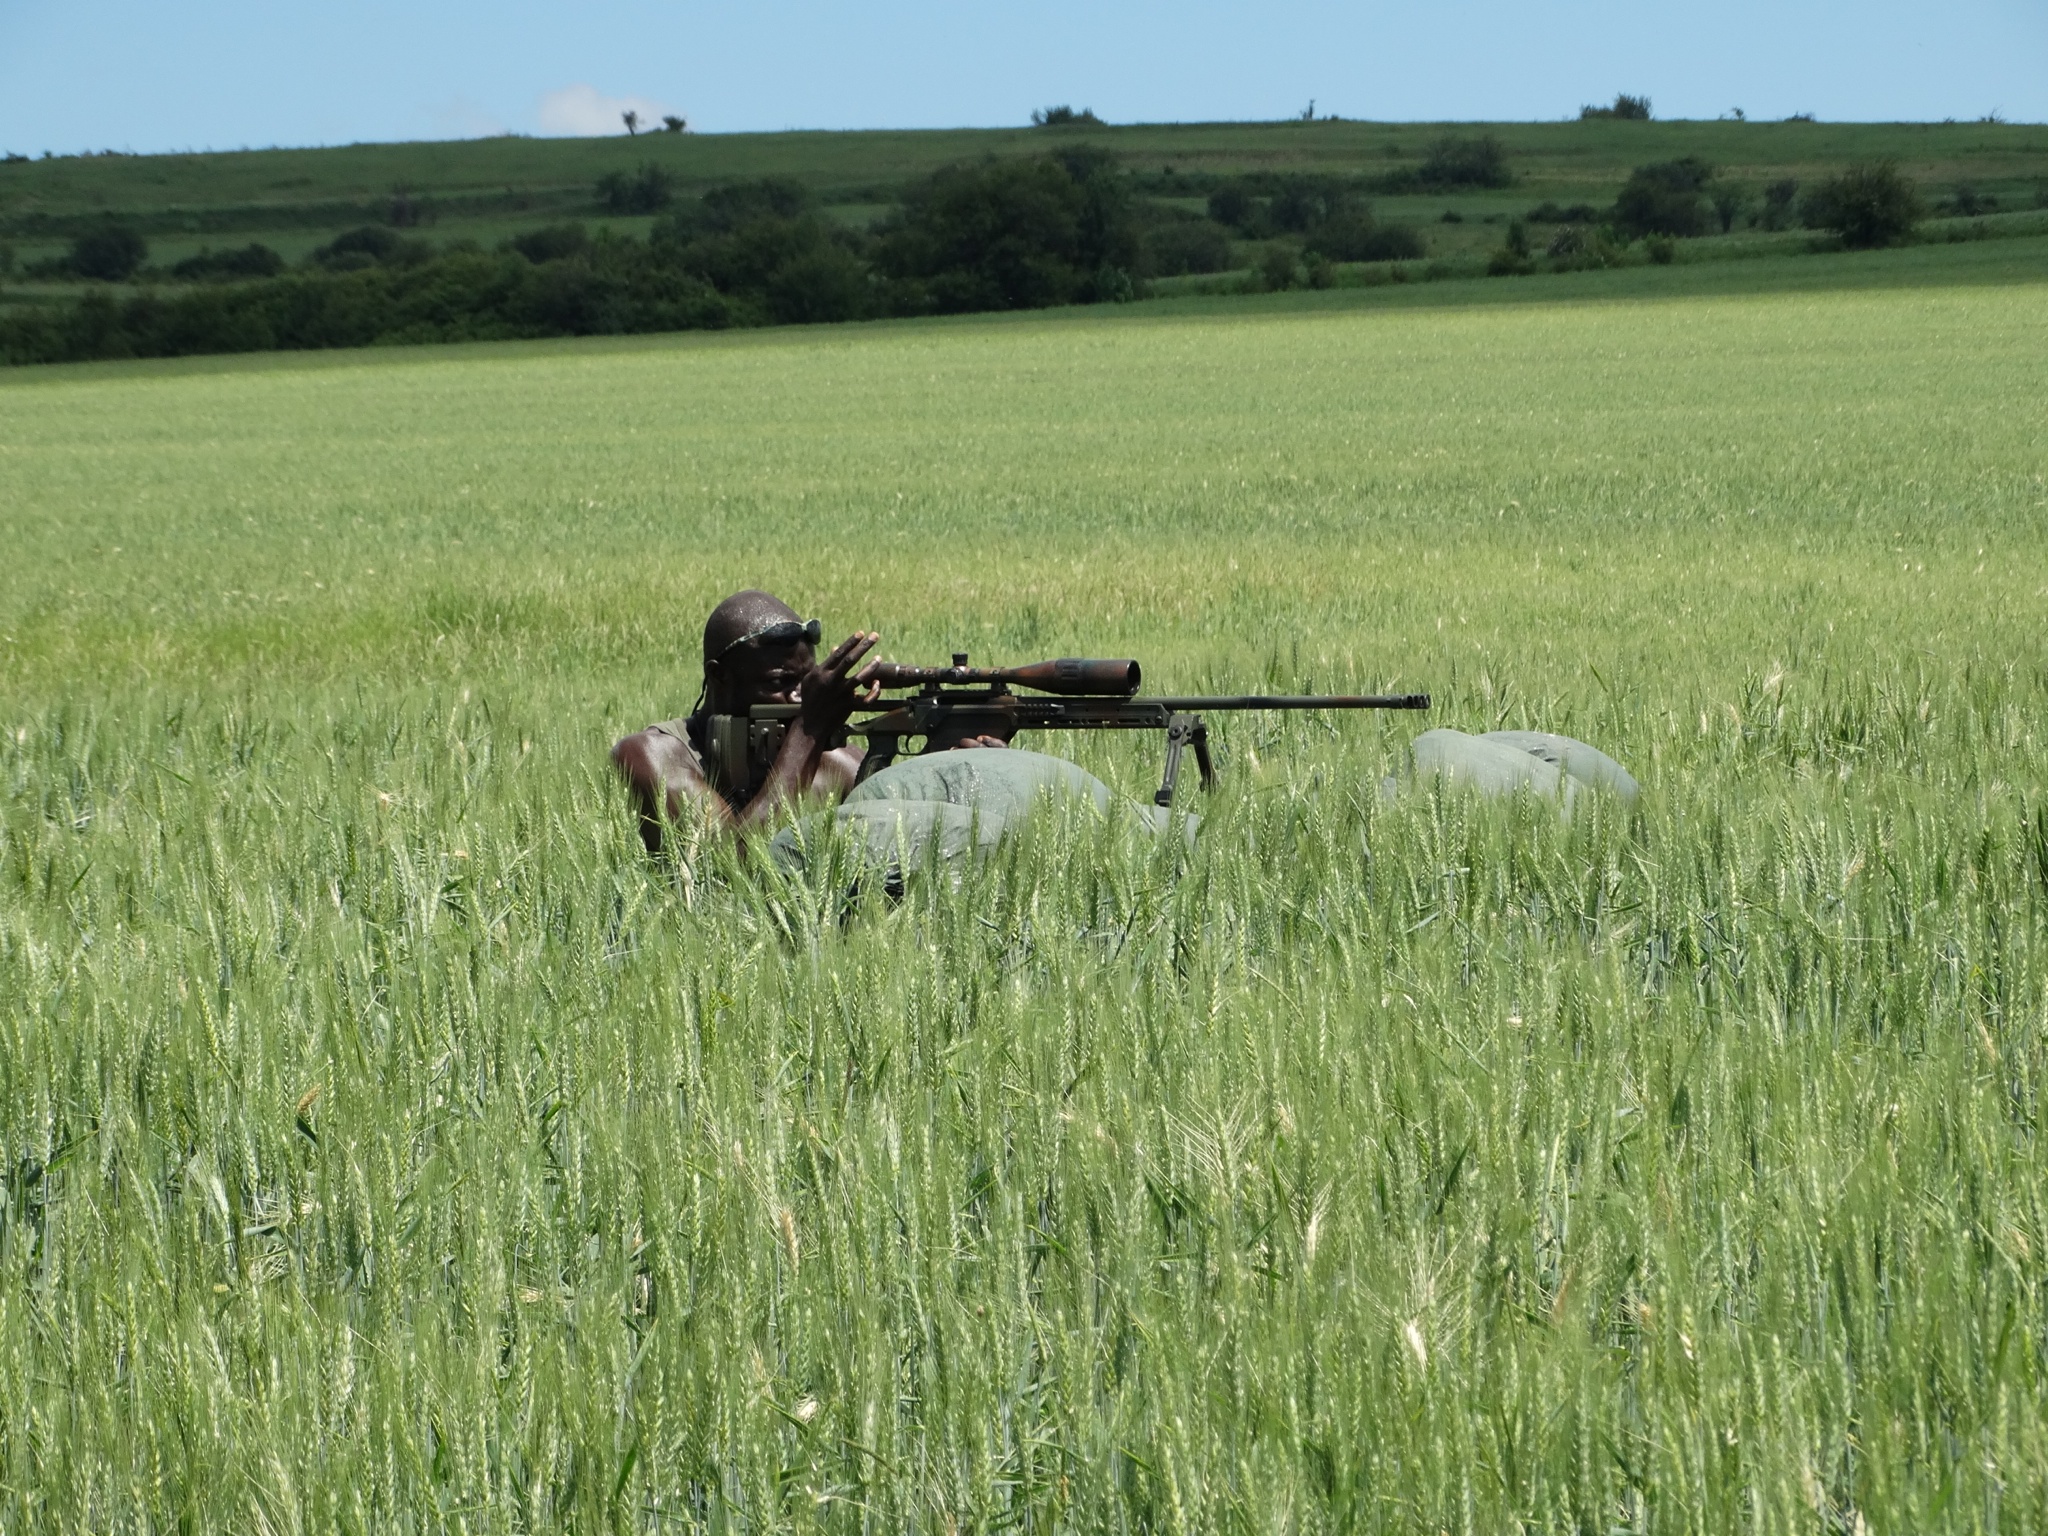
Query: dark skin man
<point x="756" y="651"/>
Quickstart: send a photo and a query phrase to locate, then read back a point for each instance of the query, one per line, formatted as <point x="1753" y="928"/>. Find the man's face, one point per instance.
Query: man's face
<point x="755" y="673"/>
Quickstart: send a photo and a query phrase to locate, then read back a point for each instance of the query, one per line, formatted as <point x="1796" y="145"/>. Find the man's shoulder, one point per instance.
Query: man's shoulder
<point x="665" y="744"/>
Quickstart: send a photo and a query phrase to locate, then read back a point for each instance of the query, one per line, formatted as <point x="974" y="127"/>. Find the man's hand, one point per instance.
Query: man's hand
<point x="832" y="689"/>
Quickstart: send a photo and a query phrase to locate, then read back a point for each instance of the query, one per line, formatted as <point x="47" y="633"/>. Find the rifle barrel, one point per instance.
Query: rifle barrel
<point x="1186" y="705"/>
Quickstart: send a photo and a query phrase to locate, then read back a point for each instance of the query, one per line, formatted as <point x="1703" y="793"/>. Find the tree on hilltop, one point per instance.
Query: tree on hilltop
<point x="1626" y="108"/>
<point x="1066" y="117"/>
<point x="632" y="121"/>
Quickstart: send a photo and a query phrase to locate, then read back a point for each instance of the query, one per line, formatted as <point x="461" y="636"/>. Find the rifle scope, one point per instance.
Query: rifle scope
<point x="1074" y="676"/>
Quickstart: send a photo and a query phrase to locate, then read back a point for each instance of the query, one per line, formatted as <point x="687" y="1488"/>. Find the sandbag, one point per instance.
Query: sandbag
<point x="996" y="782"/>
<point x="1490" y="767"/>
<point x="1589" y="765"/>
<point x="962" y="800"/>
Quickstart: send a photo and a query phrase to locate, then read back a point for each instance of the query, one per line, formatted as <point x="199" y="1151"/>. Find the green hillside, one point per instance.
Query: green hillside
<point x="466" y="200"/>
<point x="513" y="183"/>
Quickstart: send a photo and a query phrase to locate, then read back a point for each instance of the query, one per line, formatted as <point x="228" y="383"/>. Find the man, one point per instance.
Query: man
<point x="756" y="651"/>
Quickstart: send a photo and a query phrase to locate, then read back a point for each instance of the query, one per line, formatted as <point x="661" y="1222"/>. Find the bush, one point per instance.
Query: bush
<point x="822" y="283"/>
<point x="1867" y="205"/>
<point x="251" y="260"/>
<point x="1577" y="248"/>
<point x="557" y="242"/>
<point x="1626" y="108"/>
<point x="1347" y="237"/>
<point x="1233" y="206"/>
<point x="1301" y="203"/>
<point x="107" y="255"/>
<point x="1512" y="258"/>
<point x="1663" y="250"/>
<point x="1356" y="239"/>
<point x="1276" y="268"/>
<point x="1012" y="234"/>
<point x="1664" y="199"/>
<point x="1778" y="204"/>
<point x="1552" y="213"/>
<point x="726" y="208"/>
<point x="1459" y="162"/>
<point x="1728" y="202"/>
<point x="370" y="246"/>
<point x="1066" y="117"/>
<point x="1451" y="216"/>
<point x="1969" y="203"/>
<point x="1186" y="246"/>
<point x="647" y="190"/>
<point x="615" y="286"/>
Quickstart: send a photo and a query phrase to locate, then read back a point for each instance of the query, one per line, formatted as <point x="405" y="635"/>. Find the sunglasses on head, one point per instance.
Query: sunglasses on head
<point x="781" y="632"/>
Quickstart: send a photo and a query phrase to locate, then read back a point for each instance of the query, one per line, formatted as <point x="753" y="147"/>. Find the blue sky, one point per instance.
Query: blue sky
<point x="221" y="74"/>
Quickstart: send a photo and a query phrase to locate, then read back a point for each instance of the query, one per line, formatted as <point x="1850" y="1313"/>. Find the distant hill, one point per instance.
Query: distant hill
<point x="1212" y="207"/>
<point x="512" y="183"/>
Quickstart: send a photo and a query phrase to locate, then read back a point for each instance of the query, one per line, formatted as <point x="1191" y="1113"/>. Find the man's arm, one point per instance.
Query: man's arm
<point x="663" y="779"/>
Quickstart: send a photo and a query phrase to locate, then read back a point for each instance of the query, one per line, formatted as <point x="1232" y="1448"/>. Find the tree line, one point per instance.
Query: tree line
<point x="1065" y="227"/>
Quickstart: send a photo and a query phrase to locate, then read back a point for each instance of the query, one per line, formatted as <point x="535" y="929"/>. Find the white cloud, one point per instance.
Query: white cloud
<point x="583" y="111"/>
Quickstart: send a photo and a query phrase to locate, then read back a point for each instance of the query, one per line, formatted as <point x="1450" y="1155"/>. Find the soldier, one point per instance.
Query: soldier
<point x="756" y="651"/>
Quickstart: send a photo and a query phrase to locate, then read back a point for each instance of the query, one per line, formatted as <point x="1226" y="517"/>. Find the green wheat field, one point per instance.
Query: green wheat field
<point x="388" y="1146"/>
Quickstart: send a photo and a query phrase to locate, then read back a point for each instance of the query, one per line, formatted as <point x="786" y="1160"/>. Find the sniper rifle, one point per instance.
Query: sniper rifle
<point x="957" y="703"/>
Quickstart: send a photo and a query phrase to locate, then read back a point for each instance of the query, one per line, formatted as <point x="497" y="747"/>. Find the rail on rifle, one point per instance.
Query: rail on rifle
<point x="959" y="703"/>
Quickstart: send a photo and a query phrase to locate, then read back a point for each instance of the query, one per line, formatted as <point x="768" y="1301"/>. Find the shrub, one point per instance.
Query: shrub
<point x="1664" y="199"/>
<point x="1552" y="213"/>
<point x="369" y="246"/>
<point x="1186" y="246"/>
<point x="1362" y="240"/>
<point x="1347" y="237"/>
<point x="1868" y="205"/>
<point x="1232" y="205"/>
<point x="615" y="286"/>
<point x="647" y="190"/>
<point x="1460" y="162"/>
<point x="1626" y="108"/>
<point x="1662" y="249"/>
<point x="1728" y="202"/>
<point x="557" y="242"/>
<point x="1451" y="216"/>
<point x="1276" y="268"/>
<point x="727" y="207"/>
<point x="1011" y="234"/>
<point x="1577" y="248"/>
<point x="1066" y="117"/>
<point x="1969" y="203"/>
<point x="1511" y="258"/>
<point x="1778" y="204"/>
<point x="762" y="245"/>
<point x="822" y="283"/>
<point x="1300" y="203"/>
<point x="108" y="255"/>
<point x="252" y="260"/>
